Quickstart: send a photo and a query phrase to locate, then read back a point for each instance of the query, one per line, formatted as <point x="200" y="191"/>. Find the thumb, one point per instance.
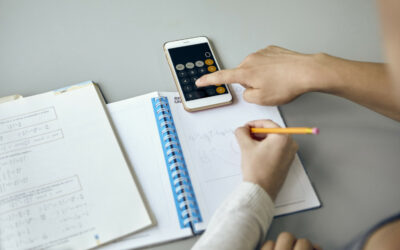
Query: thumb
<point x="219" y="77"/>
<point x="252" y="95"/>
<point x="243" y="137"/>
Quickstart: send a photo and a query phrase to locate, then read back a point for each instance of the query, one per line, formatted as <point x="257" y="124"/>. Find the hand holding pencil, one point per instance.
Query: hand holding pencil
<point x="266" y="158"/>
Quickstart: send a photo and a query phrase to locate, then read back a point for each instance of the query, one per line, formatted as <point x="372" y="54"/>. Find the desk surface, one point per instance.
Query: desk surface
<point x="353" y="164"/>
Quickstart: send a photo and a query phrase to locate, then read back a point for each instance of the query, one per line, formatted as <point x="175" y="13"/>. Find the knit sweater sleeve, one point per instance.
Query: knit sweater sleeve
<point x="241" y="222"/>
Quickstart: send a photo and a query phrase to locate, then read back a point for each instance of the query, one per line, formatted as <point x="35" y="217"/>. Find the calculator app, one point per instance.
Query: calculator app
<point x="190" y="63"/>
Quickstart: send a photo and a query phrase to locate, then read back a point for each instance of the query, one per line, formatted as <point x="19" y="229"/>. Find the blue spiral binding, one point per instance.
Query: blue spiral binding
<point x="182" y="189"/>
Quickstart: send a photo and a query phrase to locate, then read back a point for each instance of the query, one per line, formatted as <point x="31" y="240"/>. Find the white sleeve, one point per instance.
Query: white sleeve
<point x="241" y="222"/>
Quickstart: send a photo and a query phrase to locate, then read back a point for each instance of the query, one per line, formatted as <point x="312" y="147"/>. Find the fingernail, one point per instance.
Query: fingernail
<point x="199" y="81"/>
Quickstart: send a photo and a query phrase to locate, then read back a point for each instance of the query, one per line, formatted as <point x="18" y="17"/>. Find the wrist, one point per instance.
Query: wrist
<point x="271" y="190"/>
<point x="327" y="76"/>
<point x="268" y="186"/>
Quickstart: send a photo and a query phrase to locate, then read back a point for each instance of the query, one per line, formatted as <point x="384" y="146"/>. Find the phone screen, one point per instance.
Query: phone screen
<point x="190" y="63"/>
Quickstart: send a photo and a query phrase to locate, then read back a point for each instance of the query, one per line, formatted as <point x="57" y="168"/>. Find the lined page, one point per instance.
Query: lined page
<point x="213" y="155"/>
<point x="64" y="181"/>
<point x="137" y="128"/>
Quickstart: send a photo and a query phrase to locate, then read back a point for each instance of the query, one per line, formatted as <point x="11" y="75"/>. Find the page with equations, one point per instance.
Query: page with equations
<point x="64" y="181"/>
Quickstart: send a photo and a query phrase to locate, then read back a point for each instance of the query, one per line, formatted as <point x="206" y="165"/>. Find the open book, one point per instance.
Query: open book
<point x="188" y="163"/>
<point x="64" y="180"/>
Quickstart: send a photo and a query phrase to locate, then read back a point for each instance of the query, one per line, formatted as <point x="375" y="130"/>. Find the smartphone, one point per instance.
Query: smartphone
<point x="188" y="60"/>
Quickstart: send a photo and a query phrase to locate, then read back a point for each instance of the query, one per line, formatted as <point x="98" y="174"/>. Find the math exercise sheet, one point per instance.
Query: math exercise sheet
<point x="64" y="182"/>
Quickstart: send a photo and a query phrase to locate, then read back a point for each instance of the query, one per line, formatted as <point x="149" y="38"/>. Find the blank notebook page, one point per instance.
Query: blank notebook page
<point x="137" y="128"/>
<point x="213" y="155"/>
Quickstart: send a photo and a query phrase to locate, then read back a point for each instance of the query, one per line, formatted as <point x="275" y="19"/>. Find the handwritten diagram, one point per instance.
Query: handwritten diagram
<point x="216" y="148"/>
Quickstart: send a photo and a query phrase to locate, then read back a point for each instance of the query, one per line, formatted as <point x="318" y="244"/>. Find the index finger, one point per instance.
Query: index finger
<point x="220" y="77"/>
<point x="268" y="124"/>
<point x="263" y="124"/>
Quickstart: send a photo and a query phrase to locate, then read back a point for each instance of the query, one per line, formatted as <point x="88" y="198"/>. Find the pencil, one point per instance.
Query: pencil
<point x="292" y="130"/>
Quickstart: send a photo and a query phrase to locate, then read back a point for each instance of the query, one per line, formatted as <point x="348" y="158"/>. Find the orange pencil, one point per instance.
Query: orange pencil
<point x="292" y="130"/>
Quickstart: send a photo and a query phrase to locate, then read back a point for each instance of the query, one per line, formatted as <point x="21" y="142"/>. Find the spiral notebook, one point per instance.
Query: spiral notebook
<point x="188" y="163"/>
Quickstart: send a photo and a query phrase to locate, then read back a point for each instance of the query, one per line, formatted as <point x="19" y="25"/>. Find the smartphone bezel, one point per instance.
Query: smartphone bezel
<point x="205" y="102"/>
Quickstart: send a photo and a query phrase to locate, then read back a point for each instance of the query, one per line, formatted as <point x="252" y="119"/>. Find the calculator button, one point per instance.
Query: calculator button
<point x="189" y="65"/>
<point x="210" y="91"/>
<point x="193" y="79"/>
<point x="202" y="70"/>
<point x="185" y="80"/>
<point x="189" y="96"/>
<point x="199" y="64"/>
<point x="187" y="88"/>
<point x="199" y="93"/>
<point x="195" y="94"/>
<point x="212" y="68"/>
<point x="209" y="62"/>
<point x="192" y="72"/>
<point x="220" y="90"/>
<point x="182" y="73"/>
<point x="180" y="67"/>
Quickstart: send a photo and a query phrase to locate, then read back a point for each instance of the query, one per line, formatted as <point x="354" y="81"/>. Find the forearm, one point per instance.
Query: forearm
<point x="365" y="83"/>
<point x="241" y="222"/>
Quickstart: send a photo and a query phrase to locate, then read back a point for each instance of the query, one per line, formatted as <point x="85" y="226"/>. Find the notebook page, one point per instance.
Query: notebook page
<point x="213" y="155"/>
<point x="64" y="182"/>
<point x="135" y="124"/>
